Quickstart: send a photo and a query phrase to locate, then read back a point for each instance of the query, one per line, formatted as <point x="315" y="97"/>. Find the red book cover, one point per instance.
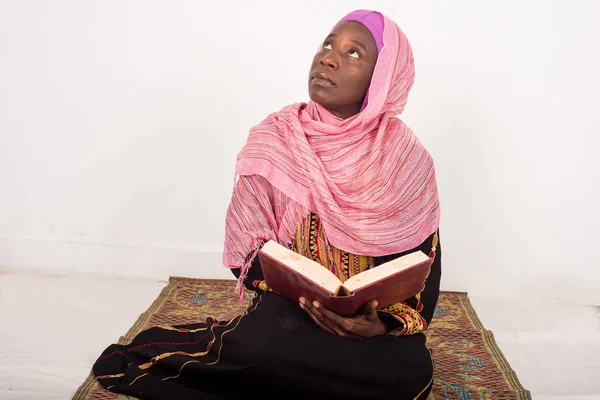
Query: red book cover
<point x="387" y="290"/>
<point x="395" y="288"/>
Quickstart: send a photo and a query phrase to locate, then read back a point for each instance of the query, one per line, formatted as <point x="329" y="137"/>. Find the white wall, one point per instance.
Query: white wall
<point x="120" y="122"/>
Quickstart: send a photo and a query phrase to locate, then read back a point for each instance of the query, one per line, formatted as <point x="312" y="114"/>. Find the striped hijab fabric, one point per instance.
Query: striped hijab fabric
<point x="367" y="177"/>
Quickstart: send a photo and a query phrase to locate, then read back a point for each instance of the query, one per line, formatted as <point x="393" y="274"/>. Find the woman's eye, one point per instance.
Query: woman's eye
<point x="354" y="53"/>
<point x="327" y="46"/>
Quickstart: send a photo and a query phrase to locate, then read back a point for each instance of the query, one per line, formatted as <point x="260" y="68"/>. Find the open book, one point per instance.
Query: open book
<point x="293" y="275"/>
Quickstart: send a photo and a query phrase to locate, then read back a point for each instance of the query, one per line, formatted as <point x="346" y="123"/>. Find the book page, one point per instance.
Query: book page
<point x="389" y="268"/>
<point x="304" y="266"/>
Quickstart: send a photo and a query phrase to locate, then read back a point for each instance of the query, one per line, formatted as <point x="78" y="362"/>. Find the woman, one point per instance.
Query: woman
<point x="344" y="182"/>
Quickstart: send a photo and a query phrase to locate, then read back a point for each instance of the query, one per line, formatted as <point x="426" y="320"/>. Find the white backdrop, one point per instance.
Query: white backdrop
<point x="120" y="122"/>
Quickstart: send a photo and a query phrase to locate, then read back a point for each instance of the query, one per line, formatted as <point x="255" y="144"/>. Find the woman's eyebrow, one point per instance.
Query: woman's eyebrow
<point x="358" y="42"/>
<point x="361" y="44"/>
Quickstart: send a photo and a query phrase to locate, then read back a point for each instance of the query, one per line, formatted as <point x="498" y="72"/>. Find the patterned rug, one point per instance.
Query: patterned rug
<point x="468" y="363"/>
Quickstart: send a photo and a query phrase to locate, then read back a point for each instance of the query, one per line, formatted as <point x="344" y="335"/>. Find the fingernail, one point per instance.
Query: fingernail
<point x="302" y="305"/>
<point x="315" y="304"/>
<point x="301" y="301"/>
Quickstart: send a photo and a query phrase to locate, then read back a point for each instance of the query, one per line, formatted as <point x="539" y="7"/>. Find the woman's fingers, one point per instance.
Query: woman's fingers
<point x="365" y="325"/>
<point x="329" y="320"/>
<point x="321" y="324"/>
<point x="345" y="325"/>
<point x="315" y="315"/>
<point x="312" y="311"/>
<point x="371" y="307"/>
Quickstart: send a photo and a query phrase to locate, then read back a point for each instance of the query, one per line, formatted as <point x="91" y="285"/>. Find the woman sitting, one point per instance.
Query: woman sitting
<point x="345" y="183"/>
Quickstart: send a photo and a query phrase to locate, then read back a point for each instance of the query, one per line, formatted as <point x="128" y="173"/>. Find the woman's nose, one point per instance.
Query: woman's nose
<point x="329" y="59"/>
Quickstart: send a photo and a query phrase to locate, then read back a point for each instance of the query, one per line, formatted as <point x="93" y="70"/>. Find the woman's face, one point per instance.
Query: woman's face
<point x="341" y="70"/>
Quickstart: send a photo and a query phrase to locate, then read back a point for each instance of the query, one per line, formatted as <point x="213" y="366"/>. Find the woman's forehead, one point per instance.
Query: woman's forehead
<point x="355" y="30"/>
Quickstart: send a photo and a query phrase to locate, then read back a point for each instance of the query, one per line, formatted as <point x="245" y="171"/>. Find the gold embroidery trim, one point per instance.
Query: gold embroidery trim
<point x="158" y="357"/>
<point x="412" y="320"/>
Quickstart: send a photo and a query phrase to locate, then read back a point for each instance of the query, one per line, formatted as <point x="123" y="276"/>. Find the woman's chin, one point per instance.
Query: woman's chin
<point x="320" y="98"/>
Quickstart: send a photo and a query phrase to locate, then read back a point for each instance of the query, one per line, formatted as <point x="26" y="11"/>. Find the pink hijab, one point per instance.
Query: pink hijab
<point x="367" y="177"/>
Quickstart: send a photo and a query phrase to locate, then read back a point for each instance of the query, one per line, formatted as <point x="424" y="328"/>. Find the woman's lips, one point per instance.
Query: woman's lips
<point x="322" y="79"/>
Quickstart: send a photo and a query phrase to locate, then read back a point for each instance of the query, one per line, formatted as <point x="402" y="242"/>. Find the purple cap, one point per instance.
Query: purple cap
<point x="372" y="20"/>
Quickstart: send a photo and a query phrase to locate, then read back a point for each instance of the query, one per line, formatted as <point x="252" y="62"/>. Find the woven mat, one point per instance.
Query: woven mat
<point x="468" y="363"/>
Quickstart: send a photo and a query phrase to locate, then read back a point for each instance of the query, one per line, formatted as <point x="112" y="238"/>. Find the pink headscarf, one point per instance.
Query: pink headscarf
<point x="368" y="177"/>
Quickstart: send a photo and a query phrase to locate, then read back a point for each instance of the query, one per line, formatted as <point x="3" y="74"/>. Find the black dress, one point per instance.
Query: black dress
<point x="274" y="350"/>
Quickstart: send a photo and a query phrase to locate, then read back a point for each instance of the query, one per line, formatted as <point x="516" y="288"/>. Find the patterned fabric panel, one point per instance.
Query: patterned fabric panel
<point x="410" y="318"/>
<point x="311" y="243"/>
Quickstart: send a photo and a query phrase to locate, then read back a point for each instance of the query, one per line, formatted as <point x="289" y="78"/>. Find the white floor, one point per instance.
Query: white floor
<point x="53" y="326"/>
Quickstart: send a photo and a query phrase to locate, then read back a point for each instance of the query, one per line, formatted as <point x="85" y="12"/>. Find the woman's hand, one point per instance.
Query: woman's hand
<point x="364" y="325"/>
